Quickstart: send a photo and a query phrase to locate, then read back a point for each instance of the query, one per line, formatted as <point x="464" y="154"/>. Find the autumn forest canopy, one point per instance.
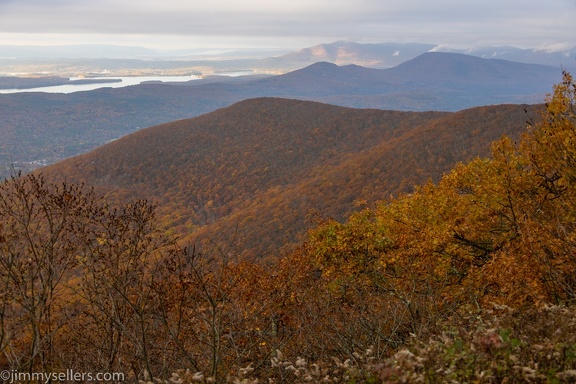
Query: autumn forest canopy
<point x="470" y="278"/>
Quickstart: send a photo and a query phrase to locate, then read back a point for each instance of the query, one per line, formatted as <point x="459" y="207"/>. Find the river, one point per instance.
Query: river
<point x="126" y="81"/>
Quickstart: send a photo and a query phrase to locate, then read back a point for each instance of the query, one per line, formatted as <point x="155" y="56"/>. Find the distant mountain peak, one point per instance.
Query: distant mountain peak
<point x="444" y="61"/>
<point x="390" y="54"/>
<point x="322" y="65"/>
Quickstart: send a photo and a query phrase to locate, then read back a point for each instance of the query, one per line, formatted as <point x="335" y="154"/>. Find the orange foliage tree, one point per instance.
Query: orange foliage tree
<point x="493" y="230"/>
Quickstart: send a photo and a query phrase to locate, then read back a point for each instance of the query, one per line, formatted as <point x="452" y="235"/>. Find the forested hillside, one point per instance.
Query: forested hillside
<point x="264" y="168"/>
<point x="467" y="279"/>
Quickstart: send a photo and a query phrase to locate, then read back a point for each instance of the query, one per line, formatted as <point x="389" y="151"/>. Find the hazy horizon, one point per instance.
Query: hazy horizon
<point x="225" y="24"/>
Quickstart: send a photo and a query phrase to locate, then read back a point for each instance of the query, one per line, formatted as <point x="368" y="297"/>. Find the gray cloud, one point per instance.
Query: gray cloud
<point x="492" y="22"/>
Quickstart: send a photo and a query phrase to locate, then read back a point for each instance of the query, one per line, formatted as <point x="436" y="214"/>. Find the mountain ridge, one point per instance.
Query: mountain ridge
<point x="377" y="55"/>
<point x="390" y="54"/>
<point x="255" y="171"/>
<point x="43" y="128"/>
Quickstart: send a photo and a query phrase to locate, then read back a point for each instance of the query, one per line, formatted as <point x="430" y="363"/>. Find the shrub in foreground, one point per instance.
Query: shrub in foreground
<point x="499" y="346"/>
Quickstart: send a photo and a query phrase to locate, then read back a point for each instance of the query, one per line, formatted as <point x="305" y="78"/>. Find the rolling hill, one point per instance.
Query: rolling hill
<point x="260" y="170"/>
<point x="39" y="128"/>
<point x="431" y="81"/>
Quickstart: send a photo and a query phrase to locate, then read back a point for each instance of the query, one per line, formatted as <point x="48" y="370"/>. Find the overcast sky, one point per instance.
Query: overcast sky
<point x="288" y="23"/>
